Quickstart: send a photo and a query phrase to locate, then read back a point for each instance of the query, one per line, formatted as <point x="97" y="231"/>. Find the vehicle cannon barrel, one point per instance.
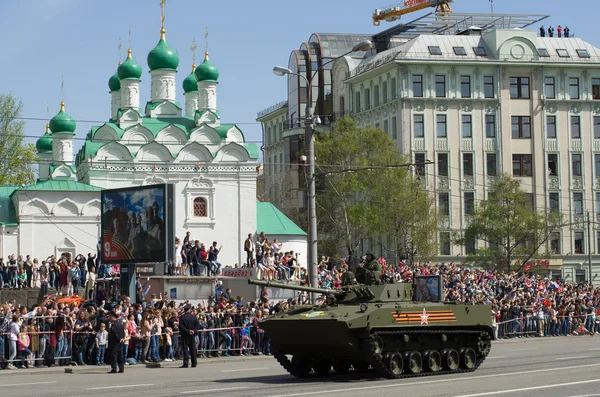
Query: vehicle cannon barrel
<point x="294" y="287"/>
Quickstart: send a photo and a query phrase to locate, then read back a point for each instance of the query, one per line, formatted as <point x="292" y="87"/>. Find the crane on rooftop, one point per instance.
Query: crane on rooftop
<point x="395" y="12"/>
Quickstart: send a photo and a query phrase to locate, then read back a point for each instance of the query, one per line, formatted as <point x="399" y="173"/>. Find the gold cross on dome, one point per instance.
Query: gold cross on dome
<point x="206" y="39"/>
<point x="162" y="12"/>
<point x="193" y="48"/>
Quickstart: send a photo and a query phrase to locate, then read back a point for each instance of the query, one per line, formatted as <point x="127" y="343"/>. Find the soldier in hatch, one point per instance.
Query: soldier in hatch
<point x="370" y="273"/>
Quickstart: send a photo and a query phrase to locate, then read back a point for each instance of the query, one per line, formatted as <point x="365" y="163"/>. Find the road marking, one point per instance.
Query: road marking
<point x="396" y="384"/>
<point x="570" y="358"/>
<point x="522" y="350"/>
<point x="26" y="384"/>
<point x="491" y="393"/>
<point x="593" y="350"/>
<point x="492" y="358"/>
<point x="119" y="387"/>
<point x="211" y="390"/>
<point x="243" y="369"/>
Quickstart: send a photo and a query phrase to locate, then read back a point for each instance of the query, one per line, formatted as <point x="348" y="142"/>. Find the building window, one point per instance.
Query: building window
<point x="435" y="50"/>
<point x="490" y="160"/>
<point x="555" y="243"/>
<point x="394" y="128"/>
<point x="543" y="52"/>
<point x="583" y="53"/>
<point x="597" y="165"/>
<point x="488" y="86"/>
<point x="200" y="207"/>
<point x="440" y="86"/>
<point x="596" y="127"/>
<point x="598" y="203"/>
<point x="442" y="160"/>
<point x="465" y="86"/>
<point x="521" y="127"/>
<point x="578" y="203"/>
<point x="522" y="165"/>
<point x="596" y="88"/>
<point x="444" y="201"/>
<point x="554" y="200"/>
<point x="553" y="164"/>
<point x="386" y="126"/>
<point x="441" y="126"/>
<point x="550" y="88"/>
<point x="367" y="99"/>
<point x="574" y="88"/>
<point x="417" y="81"/>
<point x="393" y="88"/>
<point x="576" y="164"/>
<point x="575" y="127"/>
<point x="357" y="102"/>
<point x="280" y="162"/>
<point x="551" y="127"/>
<point x="467" y="126"/>
<point x="519" y="87"/>
<point x="376" y="98"/>
<point x="579" y="276"/>
<point x="384" y="91"/>
<point x="420" y="164"/>
<point x="490" y="126"/>
<point x="579" y="247"/>
<point x="480" y="51"/>
<point x="468" y="164"/>
<point x="419" y="128"/>
<point x="469" y="203"/>
<point x="460" y="51"/>
<point x="470" y="246"/>
<point x="445" y="243"/>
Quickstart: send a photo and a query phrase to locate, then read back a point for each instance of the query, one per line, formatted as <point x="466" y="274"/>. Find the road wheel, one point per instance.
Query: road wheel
<point x="432" y="361"/>
<point x="468" y="358"/>
<point x="342" y="366"/>
<point x="450" y="359"/>
<point x="413" y="362"/>
<point x="302" y="365"/>
<point x="395" y="363"/>
<point x="322" y="366"/>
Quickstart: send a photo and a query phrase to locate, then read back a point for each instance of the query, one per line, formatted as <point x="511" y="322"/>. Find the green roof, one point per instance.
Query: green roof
<point x="8" y="216"/>
<point x="61" y="186"/>
<point x="273" y="222"/>
<point x="154" y="105"/>
<point x="252" y="150"/>
<point x="157" y="124"/>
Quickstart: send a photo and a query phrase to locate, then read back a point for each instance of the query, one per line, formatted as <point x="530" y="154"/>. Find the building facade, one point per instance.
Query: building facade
<point x="483" y="103"/>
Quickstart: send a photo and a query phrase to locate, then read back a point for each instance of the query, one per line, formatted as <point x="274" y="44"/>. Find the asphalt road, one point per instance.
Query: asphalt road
<point x="534" y="367"/>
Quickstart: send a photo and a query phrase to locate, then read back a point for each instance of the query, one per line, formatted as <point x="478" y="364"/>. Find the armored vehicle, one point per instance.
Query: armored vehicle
<point x="397" y="330"/>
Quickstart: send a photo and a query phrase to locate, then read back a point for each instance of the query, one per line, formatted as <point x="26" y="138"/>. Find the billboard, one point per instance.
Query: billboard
<point x="137" y="224"/>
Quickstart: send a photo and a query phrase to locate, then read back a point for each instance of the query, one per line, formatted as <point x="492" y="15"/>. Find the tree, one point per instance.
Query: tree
<point x="16" y="158"/>
<point x="366" y="190"/>
<point x="512" y="229"/>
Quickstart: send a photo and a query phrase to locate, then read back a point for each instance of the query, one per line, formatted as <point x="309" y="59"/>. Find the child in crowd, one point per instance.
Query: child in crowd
<point x="169" y="342"/>
<point x="101" y="342"/>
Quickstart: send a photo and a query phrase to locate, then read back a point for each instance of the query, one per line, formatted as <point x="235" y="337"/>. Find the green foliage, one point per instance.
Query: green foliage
<point x="16" y="157"/>
<point x="365" y="190"/>
<point x="508" y="221"/>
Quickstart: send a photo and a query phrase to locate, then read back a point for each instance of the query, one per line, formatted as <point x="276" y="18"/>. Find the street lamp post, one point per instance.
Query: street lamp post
<point x="313" y="258"/>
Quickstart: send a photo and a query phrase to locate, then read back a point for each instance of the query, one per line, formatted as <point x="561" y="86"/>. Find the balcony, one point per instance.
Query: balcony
<point x="467" y="144"/>
<point x="551" y="145"/>
<point x="576" y="145"/>
<point x="553" y="182"/>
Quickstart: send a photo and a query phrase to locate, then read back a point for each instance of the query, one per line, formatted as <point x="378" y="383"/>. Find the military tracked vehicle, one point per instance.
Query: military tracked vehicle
<point x="397" y="330"/>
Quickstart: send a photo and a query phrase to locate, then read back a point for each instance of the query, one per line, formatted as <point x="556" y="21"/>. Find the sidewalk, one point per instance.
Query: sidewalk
<point x="95" y="369"/>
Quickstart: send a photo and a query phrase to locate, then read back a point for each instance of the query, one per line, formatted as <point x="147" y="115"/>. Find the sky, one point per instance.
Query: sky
<point x="45" y="41"/>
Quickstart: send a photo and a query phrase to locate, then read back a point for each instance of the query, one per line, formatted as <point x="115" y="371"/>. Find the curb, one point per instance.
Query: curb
<point x="93" y="369"/>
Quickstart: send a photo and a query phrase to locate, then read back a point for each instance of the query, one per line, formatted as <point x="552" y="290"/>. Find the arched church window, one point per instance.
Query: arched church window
<point x="200" y="207"/>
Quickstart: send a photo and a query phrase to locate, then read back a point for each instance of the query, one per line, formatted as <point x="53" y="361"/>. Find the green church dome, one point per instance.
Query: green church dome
<point x="114" y="83"/>
<point x="190" y="84"/>
<point x="207" y="71"/>
<point x="129" y="69"/>
<point x="162" y="56"/>
<point x="44" y="144"/>
<point x="62" y="122"/>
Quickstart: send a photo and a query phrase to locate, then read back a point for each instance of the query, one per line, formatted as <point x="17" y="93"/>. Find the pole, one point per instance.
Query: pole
<point x="589" y="231"/>
<point x="312" y="210"/>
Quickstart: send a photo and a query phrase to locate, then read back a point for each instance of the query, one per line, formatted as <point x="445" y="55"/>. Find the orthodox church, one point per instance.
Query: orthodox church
<point x="212" y="168"/>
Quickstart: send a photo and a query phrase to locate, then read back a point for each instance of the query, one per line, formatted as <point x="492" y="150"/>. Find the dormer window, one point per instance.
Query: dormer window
<point x="563" y="53"/>
<point x="460" y="51"/>
<point x="480" y="51"/>
<point x="583" y="53"/>
<point x="435" y="50"/>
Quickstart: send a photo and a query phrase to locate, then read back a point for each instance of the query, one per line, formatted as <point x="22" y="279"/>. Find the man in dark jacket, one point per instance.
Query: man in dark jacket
<point x="116" y="334"/>
<point x="188" y="324"/>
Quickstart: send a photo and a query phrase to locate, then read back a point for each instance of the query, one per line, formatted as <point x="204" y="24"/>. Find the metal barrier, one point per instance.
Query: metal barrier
<point x="531" y="325"/>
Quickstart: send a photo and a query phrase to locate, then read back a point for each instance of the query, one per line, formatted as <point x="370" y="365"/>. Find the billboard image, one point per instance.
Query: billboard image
<point x="137" y="224"/>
